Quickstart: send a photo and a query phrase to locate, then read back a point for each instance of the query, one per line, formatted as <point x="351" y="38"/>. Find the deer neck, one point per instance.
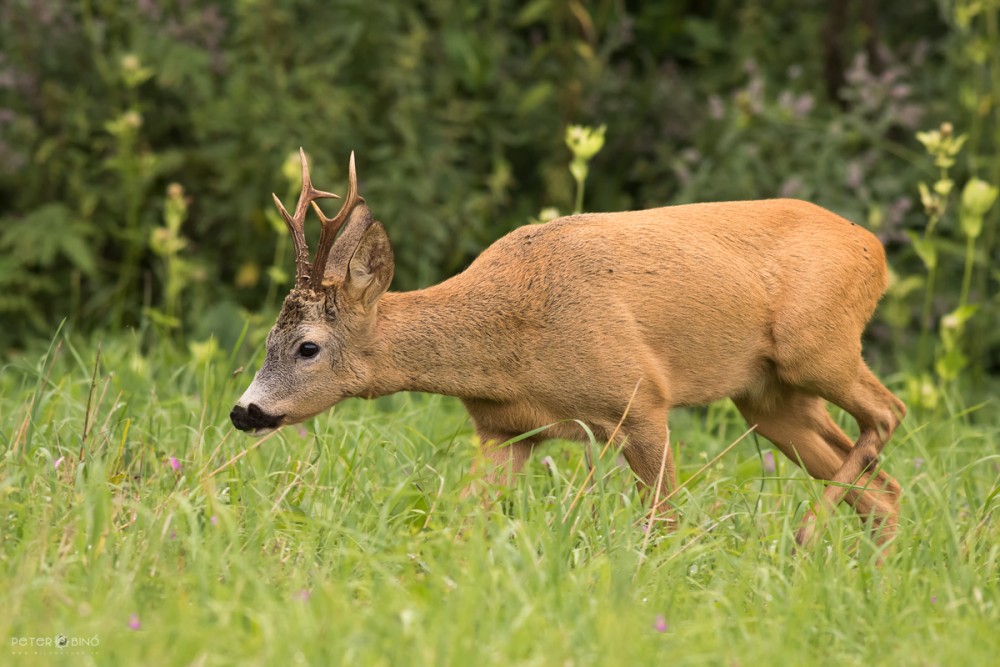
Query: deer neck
<point x="436" y="340"/>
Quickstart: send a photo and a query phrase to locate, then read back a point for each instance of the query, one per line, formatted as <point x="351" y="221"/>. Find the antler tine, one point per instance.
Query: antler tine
<point x="332" y="225"/>
<point x="296" y="223"/>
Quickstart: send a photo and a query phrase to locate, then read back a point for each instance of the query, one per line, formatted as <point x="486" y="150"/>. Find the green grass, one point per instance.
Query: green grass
<point x="347" y="542"/>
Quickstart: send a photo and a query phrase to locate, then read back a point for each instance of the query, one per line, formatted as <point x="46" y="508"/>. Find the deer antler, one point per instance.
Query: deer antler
<point x="296" y="223"/>
<point x="332" y="225"/>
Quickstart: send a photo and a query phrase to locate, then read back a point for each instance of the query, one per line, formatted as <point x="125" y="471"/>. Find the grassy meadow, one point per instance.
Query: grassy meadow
<point x="134" y="515"/>
<point x="139" y="145"/>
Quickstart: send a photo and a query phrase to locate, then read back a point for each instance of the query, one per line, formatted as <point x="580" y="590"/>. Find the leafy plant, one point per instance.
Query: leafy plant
<point x="584" y="143"/>
<point x="167" y="242"/>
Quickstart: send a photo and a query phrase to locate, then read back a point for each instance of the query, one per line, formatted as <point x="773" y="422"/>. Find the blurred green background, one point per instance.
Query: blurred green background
<point x="140" y="142"/>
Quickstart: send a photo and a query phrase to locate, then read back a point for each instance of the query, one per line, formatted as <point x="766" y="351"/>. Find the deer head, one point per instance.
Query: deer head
<point x="317" y="349"/>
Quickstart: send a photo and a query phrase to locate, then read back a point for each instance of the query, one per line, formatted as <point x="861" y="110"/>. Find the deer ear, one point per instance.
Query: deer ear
<point x="370" y="270"/>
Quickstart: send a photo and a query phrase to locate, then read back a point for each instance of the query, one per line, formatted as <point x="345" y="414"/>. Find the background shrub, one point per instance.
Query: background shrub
<point x="457" y="112"/>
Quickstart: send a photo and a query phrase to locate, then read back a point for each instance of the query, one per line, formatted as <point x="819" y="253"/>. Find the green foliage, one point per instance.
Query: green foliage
<point x="976" y="200"/>
<point x="457" y="112"/>
<point x="133" y="513"/>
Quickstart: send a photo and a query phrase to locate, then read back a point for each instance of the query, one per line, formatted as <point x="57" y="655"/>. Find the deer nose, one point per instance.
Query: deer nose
<point x="252" y="418"/>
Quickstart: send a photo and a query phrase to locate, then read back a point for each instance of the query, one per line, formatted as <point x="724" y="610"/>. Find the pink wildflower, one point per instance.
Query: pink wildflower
<point x="661" y="623"/>
<point x="768" y="463"/>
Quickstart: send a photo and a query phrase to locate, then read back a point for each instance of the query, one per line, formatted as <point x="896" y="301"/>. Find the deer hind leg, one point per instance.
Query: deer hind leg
<point x="878" y="413"/>
<point x="647" y="451"/>
<point x="799" y="425"/>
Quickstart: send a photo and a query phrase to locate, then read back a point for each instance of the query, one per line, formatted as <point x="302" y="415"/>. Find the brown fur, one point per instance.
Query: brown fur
<point x="763" y="302"/>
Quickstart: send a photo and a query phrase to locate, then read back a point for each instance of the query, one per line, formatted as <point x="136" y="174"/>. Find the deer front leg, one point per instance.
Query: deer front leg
<point x="497" y="462"/>
<point x="647" y="450"/>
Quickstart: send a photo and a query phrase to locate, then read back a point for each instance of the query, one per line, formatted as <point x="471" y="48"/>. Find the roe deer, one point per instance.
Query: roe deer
<point x="592" y="317"/>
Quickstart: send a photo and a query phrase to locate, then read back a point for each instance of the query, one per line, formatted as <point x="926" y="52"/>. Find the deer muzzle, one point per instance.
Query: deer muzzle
<point x="254" y="420"/>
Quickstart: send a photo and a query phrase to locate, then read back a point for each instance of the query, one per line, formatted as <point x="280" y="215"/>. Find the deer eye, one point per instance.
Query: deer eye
<point x="308" y="350"/>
